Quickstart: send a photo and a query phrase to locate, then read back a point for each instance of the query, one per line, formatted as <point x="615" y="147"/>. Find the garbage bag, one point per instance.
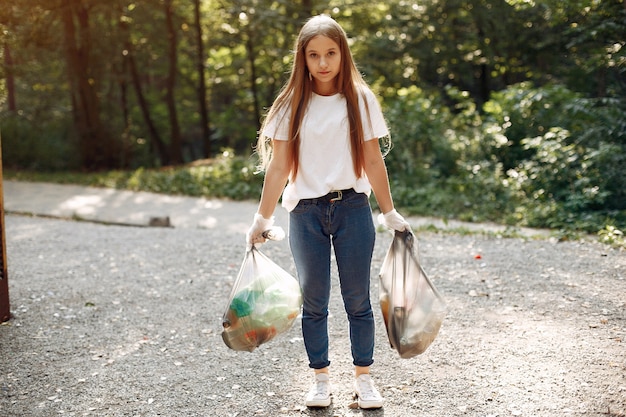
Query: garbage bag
<point x="264" y="302"/>
<point x="412" y="308"/>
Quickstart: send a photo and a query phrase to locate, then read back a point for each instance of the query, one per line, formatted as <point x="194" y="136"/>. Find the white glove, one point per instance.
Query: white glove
<point x="255" y="233"/>
<point x="394" y="220"/>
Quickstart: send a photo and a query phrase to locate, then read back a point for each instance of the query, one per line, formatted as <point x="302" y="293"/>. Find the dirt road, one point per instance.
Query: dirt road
<point x="126" y="321"/>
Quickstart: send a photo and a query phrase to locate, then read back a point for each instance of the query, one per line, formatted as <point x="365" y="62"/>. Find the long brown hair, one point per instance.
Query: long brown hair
<point x="296" y="94"/>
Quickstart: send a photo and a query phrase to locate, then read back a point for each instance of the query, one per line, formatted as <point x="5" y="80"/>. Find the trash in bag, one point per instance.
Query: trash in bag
<point x="263" y="303"/>
<point x="412" y="308"/>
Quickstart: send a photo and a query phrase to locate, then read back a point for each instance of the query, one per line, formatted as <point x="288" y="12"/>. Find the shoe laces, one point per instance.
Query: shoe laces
<point x="366" y="387"/>
<point x="320" y="388"/>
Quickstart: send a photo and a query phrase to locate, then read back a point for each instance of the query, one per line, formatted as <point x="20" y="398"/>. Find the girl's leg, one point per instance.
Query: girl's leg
<point x="353" y="241"/>
<point x="310" y="245"/>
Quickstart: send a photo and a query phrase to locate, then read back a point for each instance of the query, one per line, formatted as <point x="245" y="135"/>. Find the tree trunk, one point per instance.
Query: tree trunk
<point x="253" y="87"/>
<point x="484" y="88"/>
<point x="145" y="111"/>
<point x="126" y="144"/>
<point x="155" y="138"/>
<point x="5" y="308"/>
<point x="176" y="153"/>
<point x="10" y="79"/>
<point x="202" y="98"/>
<point x="307" y="7"/>
<point x="96" y="148"/>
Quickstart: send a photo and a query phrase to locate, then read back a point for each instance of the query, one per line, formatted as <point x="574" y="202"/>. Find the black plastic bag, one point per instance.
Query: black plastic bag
<point x="264" y="302"/>
<point x="412" y="308"/>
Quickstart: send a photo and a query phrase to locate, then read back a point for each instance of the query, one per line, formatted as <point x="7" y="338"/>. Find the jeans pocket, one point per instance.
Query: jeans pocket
<point x="357" y="200"/>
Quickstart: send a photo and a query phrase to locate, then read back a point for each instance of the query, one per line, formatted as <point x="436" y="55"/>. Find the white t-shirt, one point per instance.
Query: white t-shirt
<point x="325" y="155"/>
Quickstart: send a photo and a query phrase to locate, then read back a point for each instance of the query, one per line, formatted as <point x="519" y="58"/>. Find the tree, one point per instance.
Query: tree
<point x="131" y="67"/>
<point x="170" y="84"/>
<point x="202" y="86"/>
<point x="98" y="149"/>
<point x="10" y="79"/>
<point x="167" y="81"/>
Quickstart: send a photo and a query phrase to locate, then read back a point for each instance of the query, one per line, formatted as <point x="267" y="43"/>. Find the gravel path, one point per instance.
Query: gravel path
<point x="126" y="321"/>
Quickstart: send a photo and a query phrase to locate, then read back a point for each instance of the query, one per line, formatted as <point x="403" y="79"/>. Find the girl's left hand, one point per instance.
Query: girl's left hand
<point x="394" y="220"/>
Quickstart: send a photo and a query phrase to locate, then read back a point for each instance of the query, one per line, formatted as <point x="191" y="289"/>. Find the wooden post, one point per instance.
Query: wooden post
<point x="5" y="309"/>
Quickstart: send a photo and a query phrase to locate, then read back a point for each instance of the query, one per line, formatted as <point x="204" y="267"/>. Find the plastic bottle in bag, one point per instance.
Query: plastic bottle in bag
<point x="412" y="308"/>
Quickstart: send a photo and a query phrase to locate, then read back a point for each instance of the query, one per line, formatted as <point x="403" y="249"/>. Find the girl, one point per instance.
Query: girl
<point x="324" y="128"/>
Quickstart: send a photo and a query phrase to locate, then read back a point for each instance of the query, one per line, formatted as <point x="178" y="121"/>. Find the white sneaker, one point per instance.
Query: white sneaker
<point x="319" y="394"/>
<point x="367" y="394"/>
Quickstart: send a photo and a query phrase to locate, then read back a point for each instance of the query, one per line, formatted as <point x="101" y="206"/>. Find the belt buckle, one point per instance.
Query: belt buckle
<point x="339" y="196"/>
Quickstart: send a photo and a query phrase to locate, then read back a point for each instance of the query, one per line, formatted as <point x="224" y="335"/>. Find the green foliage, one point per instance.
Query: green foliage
<point x="37" y="146"/>
<point x="442" y="162"/>
<point x="612" y="236"/>
<point x="542" y="157"/>
<point x="508" y="111"/>
<point x="417" y="120"/>
<point x="226" y="176"/>
<point x="564" y="153"/>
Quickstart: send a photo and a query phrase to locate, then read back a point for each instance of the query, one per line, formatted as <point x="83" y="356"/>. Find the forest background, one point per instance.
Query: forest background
<point x="512" y="111"/>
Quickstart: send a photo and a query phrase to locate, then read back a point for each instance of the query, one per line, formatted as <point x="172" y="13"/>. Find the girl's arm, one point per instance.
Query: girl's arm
<point x="376" y="172"/>
<point x="276" y="177"/>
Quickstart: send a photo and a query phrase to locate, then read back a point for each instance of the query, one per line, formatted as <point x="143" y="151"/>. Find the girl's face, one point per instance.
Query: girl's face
<point x="323" y="60"/>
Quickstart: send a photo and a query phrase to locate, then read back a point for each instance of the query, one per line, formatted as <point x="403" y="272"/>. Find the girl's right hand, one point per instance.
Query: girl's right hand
<point x="255" y="233"/>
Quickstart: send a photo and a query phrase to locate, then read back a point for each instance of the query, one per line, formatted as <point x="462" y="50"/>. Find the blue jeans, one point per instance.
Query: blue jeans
<point x="314" y="226"/>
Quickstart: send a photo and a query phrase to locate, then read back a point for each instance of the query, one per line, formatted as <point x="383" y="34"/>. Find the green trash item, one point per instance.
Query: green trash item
<point x="244" y="301"/>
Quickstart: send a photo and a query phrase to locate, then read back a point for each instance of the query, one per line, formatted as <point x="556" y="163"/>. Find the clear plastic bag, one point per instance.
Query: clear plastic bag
<point x="263" y="303"/>
<point x="412" y="308"/>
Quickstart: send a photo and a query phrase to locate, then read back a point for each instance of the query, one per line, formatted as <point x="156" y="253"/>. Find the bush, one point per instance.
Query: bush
<point x="227" y="176"/>
<point x="564" y="156"/>
<point x="31" y="146"/>
<point x="542" y="157"/>
<point x="418" y="122"/>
